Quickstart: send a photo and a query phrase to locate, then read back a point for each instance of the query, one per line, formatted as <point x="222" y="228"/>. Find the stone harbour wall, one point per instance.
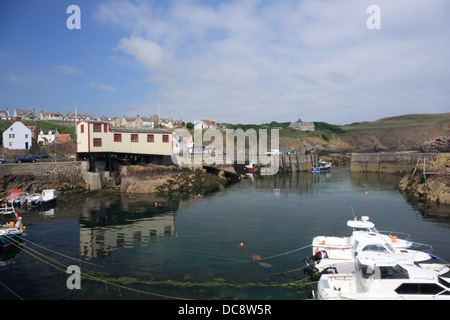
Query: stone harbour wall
<point x="34" y="177"/>
<point x="387" y="162"/>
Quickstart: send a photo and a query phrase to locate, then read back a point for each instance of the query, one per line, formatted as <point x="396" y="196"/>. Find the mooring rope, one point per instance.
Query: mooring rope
<point x="58" y="253"/>
<point x="10" y="290"/>
<point x="14" y="242"/>
<point x="108" y="282"/>
<point x="286" y="253"/>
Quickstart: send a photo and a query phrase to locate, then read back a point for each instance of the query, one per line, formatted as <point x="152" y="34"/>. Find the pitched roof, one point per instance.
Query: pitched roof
<point x="64" y="137"/>
<point x="209" y="123"/>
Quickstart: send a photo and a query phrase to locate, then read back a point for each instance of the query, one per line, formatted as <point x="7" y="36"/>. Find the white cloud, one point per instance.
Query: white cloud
<point x="16" y="80"/>
<point x="102" y="86"/>
<point x="258" y="61"/>
<point x="144" y="51"/>
<point x="68" y="70"/>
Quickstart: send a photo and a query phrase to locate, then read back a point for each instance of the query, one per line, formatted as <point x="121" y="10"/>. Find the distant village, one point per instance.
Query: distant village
<point x="20" y="137"/>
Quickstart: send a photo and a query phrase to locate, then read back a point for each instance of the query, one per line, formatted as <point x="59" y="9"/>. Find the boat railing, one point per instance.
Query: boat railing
<point x="404" y="236"/>
<point x="418" y="245"/>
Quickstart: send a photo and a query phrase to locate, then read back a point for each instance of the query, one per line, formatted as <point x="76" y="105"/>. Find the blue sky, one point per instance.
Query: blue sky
<point x="246" y="61"/>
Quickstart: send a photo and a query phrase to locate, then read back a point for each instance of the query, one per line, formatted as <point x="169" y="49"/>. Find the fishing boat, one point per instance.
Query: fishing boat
<point x="321" y="166"/>
<point x="383" y="276"/>
<point x="20" y="199"/>
<point x="7" y="208"/>
<point x="249" y="168"/>
<point x="10" y="233"/>
<point x="12" y="196"/>
<point x="47" y="197"/>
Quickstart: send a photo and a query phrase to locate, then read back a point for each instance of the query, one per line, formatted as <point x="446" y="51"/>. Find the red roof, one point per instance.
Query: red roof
<point x="209" y="123"/>
<point x="64" y="137"/>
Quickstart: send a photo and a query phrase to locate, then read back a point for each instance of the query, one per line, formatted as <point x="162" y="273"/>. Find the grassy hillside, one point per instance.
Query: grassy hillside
<point x="437" y="121"/>
<point x="404" y="132"/>
<point x="41" y="125"/>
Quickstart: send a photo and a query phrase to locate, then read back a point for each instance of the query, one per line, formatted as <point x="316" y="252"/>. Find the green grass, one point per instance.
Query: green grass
<point x="410" y="120"/>
<point x="41" y="125"/>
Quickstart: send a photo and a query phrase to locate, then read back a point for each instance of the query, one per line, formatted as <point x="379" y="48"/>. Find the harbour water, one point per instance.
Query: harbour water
<point x="245" y="241"/>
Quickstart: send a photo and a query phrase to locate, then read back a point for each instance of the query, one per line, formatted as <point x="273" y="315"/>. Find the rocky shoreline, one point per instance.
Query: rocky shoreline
<point x="434" y="186"/>
<point x="164" y="181"/>
<point x="169" y="181"/>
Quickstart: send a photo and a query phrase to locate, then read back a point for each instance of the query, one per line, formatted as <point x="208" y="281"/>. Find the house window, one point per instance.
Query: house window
<point x="117" y="137"/>
<point x="97" y="127"/>
<point x="165" y="138"/>
<point x="105" y="127"/>
<point x="26" y="135"/>
<point x="134" y="138"/>
<point x="150" y="138"/>
<point x="97" y="142"/>
<point x="82" y="128"/>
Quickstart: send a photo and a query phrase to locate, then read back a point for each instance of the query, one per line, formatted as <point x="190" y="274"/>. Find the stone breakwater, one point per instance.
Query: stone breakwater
<point x="433" y="186"/>
<point x="387" y="162"/>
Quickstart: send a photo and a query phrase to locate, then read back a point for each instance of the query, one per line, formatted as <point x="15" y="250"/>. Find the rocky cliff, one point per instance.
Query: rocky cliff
<point x="432" y="187"/>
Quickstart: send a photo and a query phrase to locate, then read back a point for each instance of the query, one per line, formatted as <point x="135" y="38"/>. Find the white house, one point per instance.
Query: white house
<point x="204" y="124"/>
<point x="47" y="136"/>
<point x="17" y="136"/>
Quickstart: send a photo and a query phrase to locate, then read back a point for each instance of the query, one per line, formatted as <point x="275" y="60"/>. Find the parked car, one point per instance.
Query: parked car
<point x="20" y="159"/>
<point x="2" y="160"/>
<point x="273" y="152"/>
<point x="36" y="156"/>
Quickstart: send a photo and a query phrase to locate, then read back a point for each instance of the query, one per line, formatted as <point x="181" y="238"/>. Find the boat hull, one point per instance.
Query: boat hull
<point x="42" y="203"/>
<point x="10" y="238"/>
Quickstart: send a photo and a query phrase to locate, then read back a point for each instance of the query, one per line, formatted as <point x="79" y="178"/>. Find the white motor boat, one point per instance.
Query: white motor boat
<point x="383" y="276"/>
<point x="328" y="251"/>
<point x="364" y="237"/>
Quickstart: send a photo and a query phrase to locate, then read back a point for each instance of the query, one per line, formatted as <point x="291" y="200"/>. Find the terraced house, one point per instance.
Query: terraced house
<point x="97" y="140"/>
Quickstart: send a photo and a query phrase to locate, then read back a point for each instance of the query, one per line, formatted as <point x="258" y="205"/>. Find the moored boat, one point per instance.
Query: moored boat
<point x="249" y="168"/>
<point x="383" y="276"/>
<point x="330" y="250"/>
<point x="47" y="197"/>
<point x="321" y="166"/>
<point x="11" y="232"/>
<point x="7" y="208"/>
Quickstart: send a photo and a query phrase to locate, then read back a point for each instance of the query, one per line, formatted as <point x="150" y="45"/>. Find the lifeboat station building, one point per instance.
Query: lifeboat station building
<point x="97" y="141"/>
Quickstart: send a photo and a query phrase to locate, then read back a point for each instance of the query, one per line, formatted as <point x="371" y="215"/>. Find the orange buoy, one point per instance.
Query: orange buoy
<point x="242" y="244"/>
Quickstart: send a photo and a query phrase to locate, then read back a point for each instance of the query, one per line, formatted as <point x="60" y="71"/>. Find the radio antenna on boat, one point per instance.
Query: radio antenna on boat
<point x="353" y="212"/>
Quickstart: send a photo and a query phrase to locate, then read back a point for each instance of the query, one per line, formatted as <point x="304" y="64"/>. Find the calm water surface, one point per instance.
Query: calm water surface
<point x="128" y="247"/>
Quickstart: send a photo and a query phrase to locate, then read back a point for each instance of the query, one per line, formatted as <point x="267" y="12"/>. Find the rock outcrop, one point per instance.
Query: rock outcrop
<point x="432" y="187"/>
<point x="168" y="181"/>
<point x="439" y="144"/>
